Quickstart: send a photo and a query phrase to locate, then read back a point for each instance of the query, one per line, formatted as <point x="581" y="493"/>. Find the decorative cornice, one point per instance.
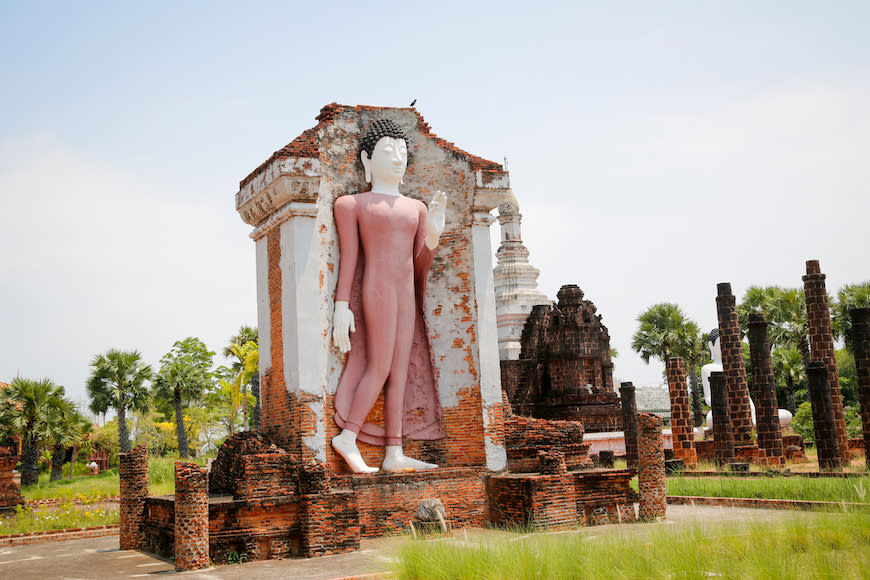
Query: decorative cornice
<point x="294" y="209"/>
<point x="283" y="181"/>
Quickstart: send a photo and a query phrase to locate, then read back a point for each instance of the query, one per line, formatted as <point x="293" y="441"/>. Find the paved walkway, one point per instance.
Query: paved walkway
<point x="101" y="558"/>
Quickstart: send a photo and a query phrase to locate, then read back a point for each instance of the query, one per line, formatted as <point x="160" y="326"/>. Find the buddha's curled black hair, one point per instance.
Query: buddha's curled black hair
<point x="378" y="129"/>
<point x="713" y="336"/>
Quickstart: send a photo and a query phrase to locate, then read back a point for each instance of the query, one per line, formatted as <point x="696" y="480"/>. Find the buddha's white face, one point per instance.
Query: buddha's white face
<point x="388" y="161"/>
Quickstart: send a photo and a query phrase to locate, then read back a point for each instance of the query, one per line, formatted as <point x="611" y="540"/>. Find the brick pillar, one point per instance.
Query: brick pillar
<point x="629" y="423"/>
<point x="823" y="416"/>
<point x="191" y="516"/>
<point x="681" y="412"/>
<point x="10" y="493"/>
<point x="328" y="520"/>
<point x="133" y="476"/>
<point x="861" y="346"/>
<point x="822" y="344"/>
<point x="651" y="468"/>
<point x="723" y="436"/>
<point x="733" y="365"/>
<point x="766" y="411"/>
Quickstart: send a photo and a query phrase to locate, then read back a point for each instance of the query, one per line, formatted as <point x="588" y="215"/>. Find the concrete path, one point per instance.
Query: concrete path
<point x="101" y="558"/>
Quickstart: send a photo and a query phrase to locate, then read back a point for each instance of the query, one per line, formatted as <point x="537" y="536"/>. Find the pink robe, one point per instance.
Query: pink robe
<point x="422" y="407"/>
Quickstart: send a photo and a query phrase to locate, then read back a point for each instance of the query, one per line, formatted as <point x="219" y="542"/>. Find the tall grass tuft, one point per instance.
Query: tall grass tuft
<point x="823" y="546"/>
<point x="834" y="489"/>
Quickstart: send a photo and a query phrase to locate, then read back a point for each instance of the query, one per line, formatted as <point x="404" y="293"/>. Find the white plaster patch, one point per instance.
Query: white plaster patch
<point x="264" y="317"/>
<point x="317" y="442"/>
<point x="496" y="455"/>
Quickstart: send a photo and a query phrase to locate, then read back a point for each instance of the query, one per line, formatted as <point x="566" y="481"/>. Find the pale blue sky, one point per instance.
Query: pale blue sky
<point x="655" y="149"/>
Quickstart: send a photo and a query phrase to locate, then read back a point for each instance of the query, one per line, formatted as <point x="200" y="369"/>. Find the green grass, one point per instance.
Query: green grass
<point x="103" y="485"/>
<point x="161" y="474"/>
<point x="823" y="546"/>
<point x="26" y="519"/>
<point x="835" y="489"/>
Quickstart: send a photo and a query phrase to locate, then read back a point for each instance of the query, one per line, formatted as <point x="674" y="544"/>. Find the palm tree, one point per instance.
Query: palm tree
<point x="785" y="311"/>
<point x="789" y="365"/>
<point x="117" y="381"/>
<point x="849" y="297"/>
<point x="244" y="349"/>
<point x="664" y="332"/>
<point x="68" y="427"/>
<point x="183" y="377"/>
<point x="28" y="409"/>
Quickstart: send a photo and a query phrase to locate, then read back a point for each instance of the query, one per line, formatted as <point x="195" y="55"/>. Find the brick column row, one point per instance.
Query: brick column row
<point x="861" y="346"/>
<point x="823" y="417"/>
<point x="681" y="412"/>
<point x="822" y="344"/>
<point x="133" y="475"/>
<point x="723" y="435"/>
<point x="628" y="403"/>
<point x="766" y="410"/>
<point x="651" y="480"/>
<point x="191" y="516"/>
<point x="733" y="365"/>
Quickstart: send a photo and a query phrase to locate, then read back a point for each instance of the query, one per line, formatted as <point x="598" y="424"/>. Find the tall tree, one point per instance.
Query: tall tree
<point x="117" y="382"/>
<point x="243" y="349"/>
<point x="666" y="331"/>
<point x="29" y="409"/>
<point x="849" y="297"/>
<point x="789" y="366"/>
<point x="67" y="429"/>
<point x="184" y="375"/>
<point x="785" y="311"/>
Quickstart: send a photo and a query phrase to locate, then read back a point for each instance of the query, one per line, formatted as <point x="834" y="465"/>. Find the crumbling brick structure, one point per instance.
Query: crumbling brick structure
<point x="824" y="425"/>
<point x="133" y="475"/>
<point x="861" y="347"/>
<point x="191" y="516"/>
<point x="822" y="344"/>
<point x="651" y="480"/>
<point x="10" y="493"/>
<point x="681" y="412"/>
<point x="564" y="370"/>
<point x="733" y="365"/>
<point x="766" y="408"/>
<point x="723" y="435"/>
<point x="628" y="403"/>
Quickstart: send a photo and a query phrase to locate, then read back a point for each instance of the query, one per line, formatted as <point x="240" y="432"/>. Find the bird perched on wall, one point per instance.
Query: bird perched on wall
<point x="414" y="102"/>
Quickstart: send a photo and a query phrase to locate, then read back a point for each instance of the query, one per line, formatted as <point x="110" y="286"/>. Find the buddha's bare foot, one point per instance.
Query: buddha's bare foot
<point x="401" y="464"/>
<point x="349" y="452"/>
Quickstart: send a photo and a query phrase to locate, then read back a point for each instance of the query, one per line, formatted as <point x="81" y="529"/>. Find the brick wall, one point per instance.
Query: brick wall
<point x="766" y="408"/>
<point x="822" y="344"/>
<point x="133" y="475"/>
<point x="733" y="364"/>
<point x="681" y="412"/>
<point x="191" y="516"/>
<point x="10" y="493"/>
<point x="861" y="347"/>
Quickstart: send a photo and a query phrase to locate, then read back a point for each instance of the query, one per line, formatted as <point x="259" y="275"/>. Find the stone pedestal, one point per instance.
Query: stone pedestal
<point x="629" y="423"/>
<point x="861" y="346"/>
<point x="191" y="516"/>
<point x="651" y="479"/>
<point x="289" y="201"/>
<point x="133" y="475"/>
<point x="733" y="365"/>
<point x="766" y="408"/>
<point x="824" y="424"/>
<point x="681" y="412"/>
<point x="723" y="436"/>
<point x="822" y="345"/>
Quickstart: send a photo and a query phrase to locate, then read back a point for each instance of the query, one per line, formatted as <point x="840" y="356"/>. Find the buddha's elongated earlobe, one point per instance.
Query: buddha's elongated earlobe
<point x="364" y="157"/>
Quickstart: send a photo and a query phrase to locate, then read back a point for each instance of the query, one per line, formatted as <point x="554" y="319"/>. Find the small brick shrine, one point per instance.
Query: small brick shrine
<point x="564" y="370"/>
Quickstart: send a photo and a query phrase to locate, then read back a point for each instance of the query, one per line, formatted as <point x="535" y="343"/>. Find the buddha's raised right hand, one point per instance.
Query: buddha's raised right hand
<point x="342" y="325"/>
